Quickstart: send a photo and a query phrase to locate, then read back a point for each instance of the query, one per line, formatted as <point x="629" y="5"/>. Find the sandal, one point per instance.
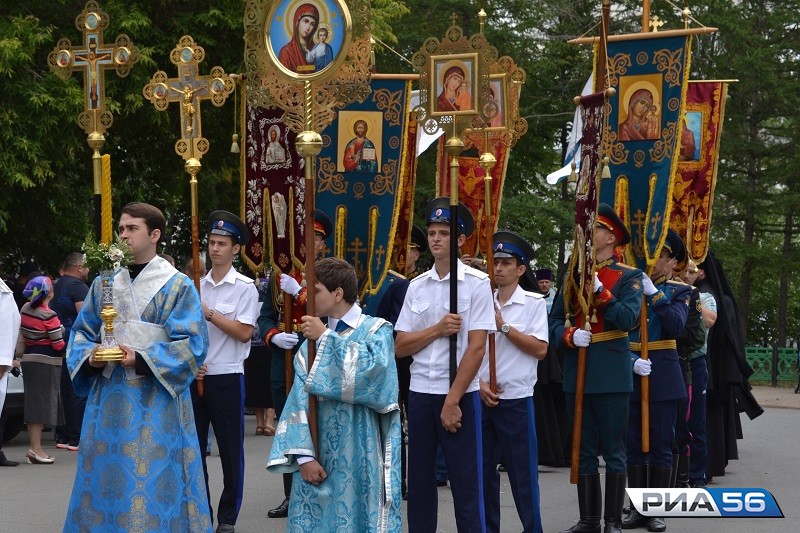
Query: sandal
<point x="269" y="431"/>
<point x="36" y="459"/>
<point x="260" y="430"/>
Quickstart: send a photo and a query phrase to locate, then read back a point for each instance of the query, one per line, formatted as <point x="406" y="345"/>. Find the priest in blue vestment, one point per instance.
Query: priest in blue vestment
<point x="352" y="481"/>
<point x="139" y="466"/>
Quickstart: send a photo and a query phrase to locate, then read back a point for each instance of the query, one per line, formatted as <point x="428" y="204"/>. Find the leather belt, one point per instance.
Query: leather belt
<point x="655" y="345"/>
<point x="604" y="336"/>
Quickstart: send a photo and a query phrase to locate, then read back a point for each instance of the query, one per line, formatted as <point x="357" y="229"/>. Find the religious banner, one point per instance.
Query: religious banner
<point x="360" y="185"/>
<point x="471" y="190"/>
<point x="496" y="138"/>
<point x="696" y="176"/>
<point x="405" y="201"/>
<point x="272" y="192"/>
<point x="578" y="285"/>
<point x="642" y="134"/>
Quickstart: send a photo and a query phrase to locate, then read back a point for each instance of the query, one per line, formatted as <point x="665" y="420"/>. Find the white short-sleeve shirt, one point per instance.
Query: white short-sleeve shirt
<point x="517" y="371"/>
<point x="426" y="302"/>
<point x="236" y="298"/>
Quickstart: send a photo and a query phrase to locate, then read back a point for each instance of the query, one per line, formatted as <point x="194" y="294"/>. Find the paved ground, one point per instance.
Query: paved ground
<point x="783" y="397"/>
<point x="34" y="498"/>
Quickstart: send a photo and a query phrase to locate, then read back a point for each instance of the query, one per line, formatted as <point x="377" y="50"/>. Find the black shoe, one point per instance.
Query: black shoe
<point x="225" y="528"/>
<point x="281" y="511"/>
<point x="4" y="461"/>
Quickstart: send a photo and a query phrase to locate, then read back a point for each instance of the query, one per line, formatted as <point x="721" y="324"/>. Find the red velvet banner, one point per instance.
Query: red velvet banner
<point x="696" y="175"/>
<point x="472" y="191"/>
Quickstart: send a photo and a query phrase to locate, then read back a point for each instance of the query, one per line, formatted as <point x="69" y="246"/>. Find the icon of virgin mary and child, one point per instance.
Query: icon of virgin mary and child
<point x="304" y="53"/>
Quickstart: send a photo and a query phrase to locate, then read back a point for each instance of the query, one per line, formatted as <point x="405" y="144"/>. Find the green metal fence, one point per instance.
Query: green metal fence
<point x="775" y="365"/>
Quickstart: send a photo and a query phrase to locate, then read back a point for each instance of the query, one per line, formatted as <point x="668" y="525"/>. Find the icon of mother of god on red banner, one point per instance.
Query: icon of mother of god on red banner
<point x="305" y="37"/>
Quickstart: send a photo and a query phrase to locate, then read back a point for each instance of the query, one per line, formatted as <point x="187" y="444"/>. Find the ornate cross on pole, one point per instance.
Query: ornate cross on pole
<point x="189" y="88"/>
<point x="656" y="23"/>
<point x="93" y="58"/>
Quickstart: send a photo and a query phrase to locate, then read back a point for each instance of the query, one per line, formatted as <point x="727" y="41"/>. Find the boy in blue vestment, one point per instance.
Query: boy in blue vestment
<point x="352" y="479"/>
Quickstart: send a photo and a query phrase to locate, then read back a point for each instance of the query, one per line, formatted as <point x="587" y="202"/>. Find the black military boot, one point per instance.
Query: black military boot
<point x="637" y="479"/>
<point x="683" y="472"/>
<point x="589" y="504"/>
<point x="659" y="477"/>
<point x="615" y="496"/>
<point x="673" y="481"/>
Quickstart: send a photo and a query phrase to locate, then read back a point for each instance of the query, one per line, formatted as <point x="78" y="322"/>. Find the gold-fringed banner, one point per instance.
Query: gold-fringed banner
<point x="272" y="192"/>
<point x="642" y="133"/>
<point x="471" y="191"/>
<point x="405" y="200"/>
<point x="698" y="156"/>
<point x="365" y="154"/>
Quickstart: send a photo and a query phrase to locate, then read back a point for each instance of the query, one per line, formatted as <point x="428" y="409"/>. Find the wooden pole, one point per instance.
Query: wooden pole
<point x="577" y="421"/>
<point x="288" y="356"/>
<point x="309" y="144"/>
<point x="645" y="388"/>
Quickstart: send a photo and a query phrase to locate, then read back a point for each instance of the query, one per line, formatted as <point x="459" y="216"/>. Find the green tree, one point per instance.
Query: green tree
<point x="45" y="164"/>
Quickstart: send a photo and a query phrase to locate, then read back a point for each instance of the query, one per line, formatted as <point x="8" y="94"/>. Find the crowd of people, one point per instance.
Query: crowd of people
<point x="367" y="411"/>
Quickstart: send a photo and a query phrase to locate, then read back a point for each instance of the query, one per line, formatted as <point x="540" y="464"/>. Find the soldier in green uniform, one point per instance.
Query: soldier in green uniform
<point x="609" y="382"/>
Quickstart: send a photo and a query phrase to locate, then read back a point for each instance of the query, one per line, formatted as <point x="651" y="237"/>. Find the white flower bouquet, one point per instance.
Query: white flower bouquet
<point x="102" y="257"/>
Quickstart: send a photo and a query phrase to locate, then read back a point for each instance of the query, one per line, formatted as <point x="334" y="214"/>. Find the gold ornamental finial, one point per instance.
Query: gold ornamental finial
<point x="656" y="23"/>
<point x="481" y="19"/>
<point x="687" y="15"/>
<point x="453" y="18"/>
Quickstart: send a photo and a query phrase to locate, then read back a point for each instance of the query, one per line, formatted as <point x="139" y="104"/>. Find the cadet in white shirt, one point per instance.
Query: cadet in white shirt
<point x="509" y="424"/>
<point x="230" y="305"/>
<point x="438" y="412"/>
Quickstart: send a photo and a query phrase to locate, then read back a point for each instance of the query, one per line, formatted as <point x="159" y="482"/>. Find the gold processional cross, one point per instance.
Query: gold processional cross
<point x="190" y="89"/>
<point x="93" y="58"/>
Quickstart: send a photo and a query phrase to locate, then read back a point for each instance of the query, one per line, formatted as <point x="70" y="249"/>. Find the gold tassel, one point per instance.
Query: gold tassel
<point x="235" y="144"/>
<point x="606" y="168"/>
<point x="573" y="177"/>
<point x="594" y="316"/>
<point x="567" y="323"/>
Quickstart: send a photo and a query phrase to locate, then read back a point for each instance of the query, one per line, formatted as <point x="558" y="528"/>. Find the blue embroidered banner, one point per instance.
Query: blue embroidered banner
<point x="359" y="179"/>
<point x="642" y="135"/>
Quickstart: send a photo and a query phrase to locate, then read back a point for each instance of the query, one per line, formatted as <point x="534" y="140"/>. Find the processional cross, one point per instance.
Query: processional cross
<point x="93" y="58"/>
<point x="190" y="89"/>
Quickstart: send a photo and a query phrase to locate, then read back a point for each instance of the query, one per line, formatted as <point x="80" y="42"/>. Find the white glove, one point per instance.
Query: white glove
<point x="597" y="285"/>
<point x="289" y="285"/>
<point x="287" y="341"/>
<point x="643" y="367"/>
<point x="581" y="338"/>
<point x="647" y="285"/>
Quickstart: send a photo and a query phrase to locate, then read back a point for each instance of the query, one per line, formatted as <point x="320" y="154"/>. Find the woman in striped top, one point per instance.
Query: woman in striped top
<point x="43" y="338"/>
